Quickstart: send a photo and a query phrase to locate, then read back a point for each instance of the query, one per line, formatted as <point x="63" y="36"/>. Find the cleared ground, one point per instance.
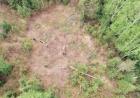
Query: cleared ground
<point x="59" y="42"/>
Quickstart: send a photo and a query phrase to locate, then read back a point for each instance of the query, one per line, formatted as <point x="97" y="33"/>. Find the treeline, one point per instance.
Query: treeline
<point x="26" y="7"/>
<point x="119" y="26"/>
<point x="120" y="23"/>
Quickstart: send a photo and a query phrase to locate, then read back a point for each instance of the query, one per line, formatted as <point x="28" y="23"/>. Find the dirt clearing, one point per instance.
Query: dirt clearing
<point x="59" y="42"/>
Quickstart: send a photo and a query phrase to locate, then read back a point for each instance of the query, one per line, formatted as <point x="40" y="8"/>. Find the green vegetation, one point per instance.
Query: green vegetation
<point x="65" y="2"/>
<point x="115" y="23"/>
<point x="30" y="88"/>
<point x="25" y="7"/>
<point x="119" y="28"/>
<point x="120" y="25"/>
<point x="5" y="69"/>
<point x="88" y="12"/>
<point x="123" y="73"/>
<point x="124" y="87"/>
<point x="27" y="45"/>
<point x="6" y="28"/>
<point x="88" y="86"/>
<point x="36" y="94"/>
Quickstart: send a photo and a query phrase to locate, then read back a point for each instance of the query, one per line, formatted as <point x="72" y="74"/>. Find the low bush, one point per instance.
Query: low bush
<point x="37" y="94"/>
<point x="123" y="73"/>
<point x="27" y="45"/>
<point x="27" y="84"/>
<point x="5" y="69"/>
<point x="88" y="86"/>
<point x="30" y="88"/>
<point x="25" y="7"/>
<point x="65" y="2"/>
<point x="124" y="87"/>
<point x="6" y="28"/>
<point x="9" y="94"/>
<point x="23" y="11"/>
<point x="88" y="9"/>
<point x="119" y="27"/>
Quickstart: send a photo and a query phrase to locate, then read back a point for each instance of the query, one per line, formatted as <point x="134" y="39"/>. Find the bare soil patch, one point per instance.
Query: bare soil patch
<point x="60" y="42"/>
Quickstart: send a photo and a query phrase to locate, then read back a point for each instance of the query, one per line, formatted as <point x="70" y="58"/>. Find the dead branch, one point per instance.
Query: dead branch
<point x="73" y="68"/>
<point x="43" y="42"/>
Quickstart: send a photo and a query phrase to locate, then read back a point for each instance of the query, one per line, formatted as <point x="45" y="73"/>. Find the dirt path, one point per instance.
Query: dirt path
<point x="65" y="44"/>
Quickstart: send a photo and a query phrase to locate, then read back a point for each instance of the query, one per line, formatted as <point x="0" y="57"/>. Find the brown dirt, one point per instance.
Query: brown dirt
<point x="65" y="44"/>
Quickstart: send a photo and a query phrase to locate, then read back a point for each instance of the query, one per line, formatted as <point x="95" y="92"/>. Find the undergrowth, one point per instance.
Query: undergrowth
<point x="30" y="87"/>
<point x="6" y="29"/>
<point x="119" y="28"/>
<point x="88" y="86"/>
<point x="25" y="7"/>
<point x="123" y="73"/>
<point x="27" y="45"/>
<point x="5" y="69"/>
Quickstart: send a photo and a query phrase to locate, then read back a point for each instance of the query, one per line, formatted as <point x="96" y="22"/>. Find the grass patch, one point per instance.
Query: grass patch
<point x="27" y="45"/>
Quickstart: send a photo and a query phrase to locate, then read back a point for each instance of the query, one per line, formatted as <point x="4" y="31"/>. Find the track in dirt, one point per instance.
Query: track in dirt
<point x="65" y="44"/>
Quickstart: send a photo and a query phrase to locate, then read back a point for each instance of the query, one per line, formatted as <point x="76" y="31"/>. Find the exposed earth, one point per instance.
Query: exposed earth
<point x="59" y="42"/>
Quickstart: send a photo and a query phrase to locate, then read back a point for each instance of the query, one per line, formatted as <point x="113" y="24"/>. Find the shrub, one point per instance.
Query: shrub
<point x="88" y="9"/>
<point x="95" y="84"/>
<point x="25" y="7"/>
<point x="91" y="30"/>
<point x="23" y="11"/>
<point x="91" y="9"/>
<point x="31" y="4"/>
<point x="112" y="70"/>
<point x="127" y="66"/>
<point x="88" y="86"/>
<point x="118" y="69"/>
<point x="31" y="88"/>
<point x="9" y="94"/>
<point x="29" y="84"/>
<point x="125" y="87"/>
<point x="120" y="26"/>
<point x="37" y="94"/>
<point x="114" y="61"/>
<point x="81" y="68"/>
<point x="65" y="2"/>
<point x="27" y="45"/>
<point x="5" y="68"/>
<point x="6" y="28"/>
<point x="123" y="73"/>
